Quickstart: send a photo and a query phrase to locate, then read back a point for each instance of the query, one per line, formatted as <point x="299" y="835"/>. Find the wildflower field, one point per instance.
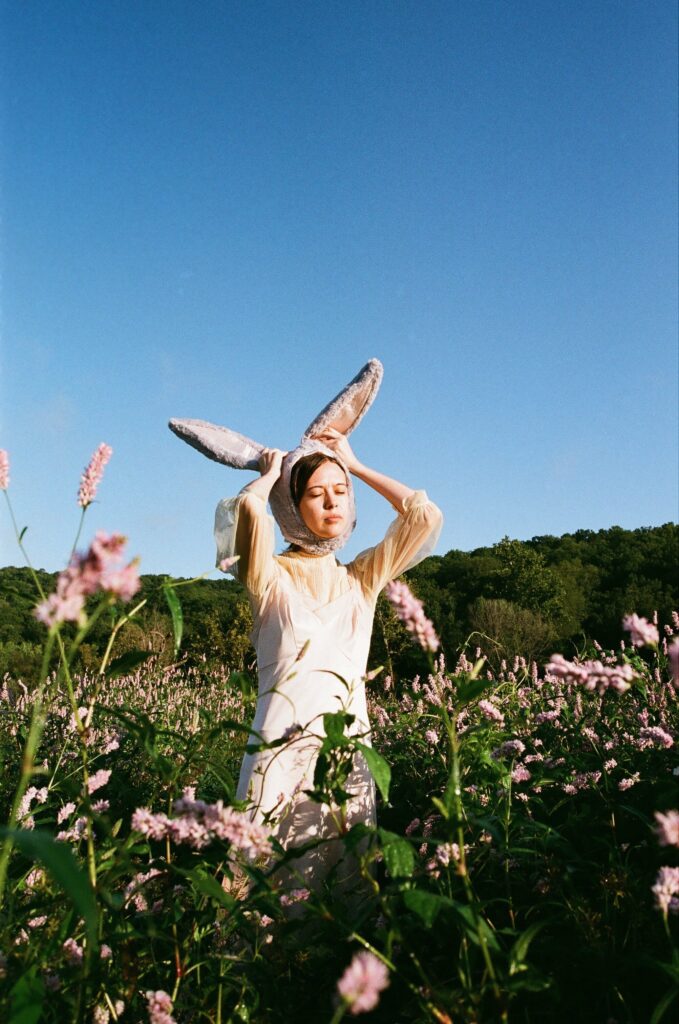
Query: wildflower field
<point x="525" y="865"/>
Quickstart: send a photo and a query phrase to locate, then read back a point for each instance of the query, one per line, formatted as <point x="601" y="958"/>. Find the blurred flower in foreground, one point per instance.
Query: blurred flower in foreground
<point x="362" y="982"/>
<point x="411" y="613"/>
<point x="160" y="1008"/>
<point x="592" y="675"/>
<point x="91" y="478"/>
<point x="641" y="630"/>
<point x="4" y="470"/>
<point x="96" y="571"/>
<point x="666" y="890"/>
<point x="667" y="828"/>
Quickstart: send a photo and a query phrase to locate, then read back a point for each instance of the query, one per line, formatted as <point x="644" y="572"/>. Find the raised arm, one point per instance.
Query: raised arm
<point x="244" y="528"/>
<point x="409" y="539"/>
<point x="395" y="492"/>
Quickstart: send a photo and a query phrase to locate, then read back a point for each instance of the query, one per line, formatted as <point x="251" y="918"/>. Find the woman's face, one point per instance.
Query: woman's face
<point x="324" y="507"/>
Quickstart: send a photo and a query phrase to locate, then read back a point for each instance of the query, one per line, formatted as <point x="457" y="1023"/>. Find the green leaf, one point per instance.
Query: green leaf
<point x="22" y="534"/>
<point x="398" y="854"/>
<point x="62" y="865"/>
<point x="210" y="887"/>
<point x="334" y="724"/>
<point x="379" y="769"/>
<point x="425" y="904"/>
<point x="664" y="1005"/>
<point x="127" y="663"/>
<point x="467" y="691"/>
<point x="26" y="998"/>
<point x="177" y="616"/>
<point x="520" y="948"/>
<point x="476" y="927"/>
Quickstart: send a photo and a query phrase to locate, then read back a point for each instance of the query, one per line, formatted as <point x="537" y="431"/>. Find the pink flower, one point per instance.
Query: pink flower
<point x="159" y="1008"/>
<point x="411" y="613"/>
<point x="295" y="896"/>
<point x="666" y="889"/>
<point x="667" y="828"/>
<point x="521" y="774"/>
<point x="641" y="630"/>
<point x="74" y="952"/>
<point x="547" y="716"/>
<point x="199" y="823"/>
<point x="98" y="780"/>
<point x="413" y="826"/>
<point x="362" y="982"/>
<point x="96" y="571"/>
<point x="592" y="675"/>
<point x="105" y="952"/>
<point x="65" y="812"/>
<point x="489" y="711"/>
<point x="432" y="737"/>
<point x="626" y="784"/>
<point x="152" y="825"/>
<point x="654" y="734"/>
<point x="511" y="748"/>
<point x="4" y="470"/>
<point x="91" y="478"/>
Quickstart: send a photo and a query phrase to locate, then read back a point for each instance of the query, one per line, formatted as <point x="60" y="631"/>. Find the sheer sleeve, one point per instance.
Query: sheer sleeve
<point x="244" y="528"/>
<point x="410" y="538"/>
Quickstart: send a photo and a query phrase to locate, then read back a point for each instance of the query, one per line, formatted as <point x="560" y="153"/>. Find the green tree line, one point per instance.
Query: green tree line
<point x="528" y="598"/>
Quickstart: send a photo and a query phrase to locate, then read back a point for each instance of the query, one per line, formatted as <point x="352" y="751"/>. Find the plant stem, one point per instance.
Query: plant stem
<point x="33" y="739"/>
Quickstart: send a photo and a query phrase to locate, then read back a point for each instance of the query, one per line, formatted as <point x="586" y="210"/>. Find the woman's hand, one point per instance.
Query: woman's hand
<point x="337" y="442"/>
<point x="270" y="462"/>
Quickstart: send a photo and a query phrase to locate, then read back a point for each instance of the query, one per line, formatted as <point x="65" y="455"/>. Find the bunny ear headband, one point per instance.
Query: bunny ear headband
<point x="343" y="413"/>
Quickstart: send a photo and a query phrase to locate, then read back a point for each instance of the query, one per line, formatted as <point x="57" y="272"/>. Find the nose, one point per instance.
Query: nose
<point x="330" y="500"/>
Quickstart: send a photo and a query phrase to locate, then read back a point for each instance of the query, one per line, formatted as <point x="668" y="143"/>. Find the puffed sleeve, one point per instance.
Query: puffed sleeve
<point x="244" y="528"/>
<point x="410" y="538"/>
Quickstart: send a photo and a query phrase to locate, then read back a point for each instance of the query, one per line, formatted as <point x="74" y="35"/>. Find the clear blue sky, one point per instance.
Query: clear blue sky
<point x="222" y="210"/>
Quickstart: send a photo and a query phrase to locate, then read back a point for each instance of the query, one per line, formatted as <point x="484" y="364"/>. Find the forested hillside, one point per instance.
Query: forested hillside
<point x="516" y="597"/>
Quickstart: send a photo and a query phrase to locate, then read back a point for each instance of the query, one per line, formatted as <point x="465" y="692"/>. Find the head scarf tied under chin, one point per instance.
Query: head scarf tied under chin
<point x="287" y="515"/>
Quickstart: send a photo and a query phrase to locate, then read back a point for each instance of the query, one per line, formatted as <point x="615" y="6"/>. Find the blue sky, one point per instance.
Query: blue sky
<point x="222" y="210"/>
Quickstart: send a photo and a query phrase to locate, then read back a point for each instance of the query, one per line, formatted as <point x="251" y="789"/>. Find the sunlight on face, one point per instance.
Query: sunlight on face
<point x="324" y="507"/>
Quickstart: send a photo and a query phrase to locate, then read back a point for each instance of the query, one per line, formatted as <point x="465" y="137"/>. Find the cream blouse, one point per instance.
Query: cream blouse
<point x="244" y="528"/>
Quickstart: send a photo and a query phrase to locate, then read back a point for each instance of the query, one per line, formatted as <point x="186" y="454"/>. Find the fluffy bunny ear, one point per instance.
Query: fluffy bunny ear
<point x="349" y="407"/>
<point x="219" y="443"/>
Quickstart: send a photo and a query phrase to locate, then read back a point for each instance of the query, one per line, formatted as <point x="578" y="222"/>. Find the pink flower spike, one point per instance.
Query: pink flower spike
<point x="91" y="478"/>
<point x="667" y="828"/>
<point x="4" y="470"/>
<point x="98" y="780"/>
<point x="362" y="982"/>
<point x="411" y="613"/>
<point x="160" y="1008"/>
<point x="641" y="630"/>
<point x="666" y="890"/>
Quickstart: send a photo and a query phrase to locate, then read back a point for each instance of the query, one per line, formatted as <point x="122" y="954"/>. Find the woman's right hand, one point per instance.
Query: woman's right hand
<point x="270" y="462"/>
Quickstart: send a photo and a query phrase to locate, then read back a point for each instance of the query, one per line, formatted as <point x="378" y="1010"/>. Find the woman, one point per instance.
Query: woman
<point x="312" y="626"/>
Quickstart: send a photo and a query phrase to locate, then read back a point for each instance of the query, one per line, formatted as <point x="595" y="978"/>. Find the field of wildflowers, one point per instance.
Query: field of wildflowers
<point x="525" y="865"/>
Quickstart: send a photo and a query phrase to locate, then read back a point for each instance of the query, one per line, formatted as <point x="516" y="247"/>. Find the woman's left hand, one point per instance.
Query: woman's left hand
<point x="337" y="442"/>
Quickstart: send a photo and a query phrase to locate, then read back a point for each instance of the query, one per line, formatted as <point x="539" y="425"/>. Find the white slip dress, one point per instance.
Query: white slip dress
<point x="312" y="627"/>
